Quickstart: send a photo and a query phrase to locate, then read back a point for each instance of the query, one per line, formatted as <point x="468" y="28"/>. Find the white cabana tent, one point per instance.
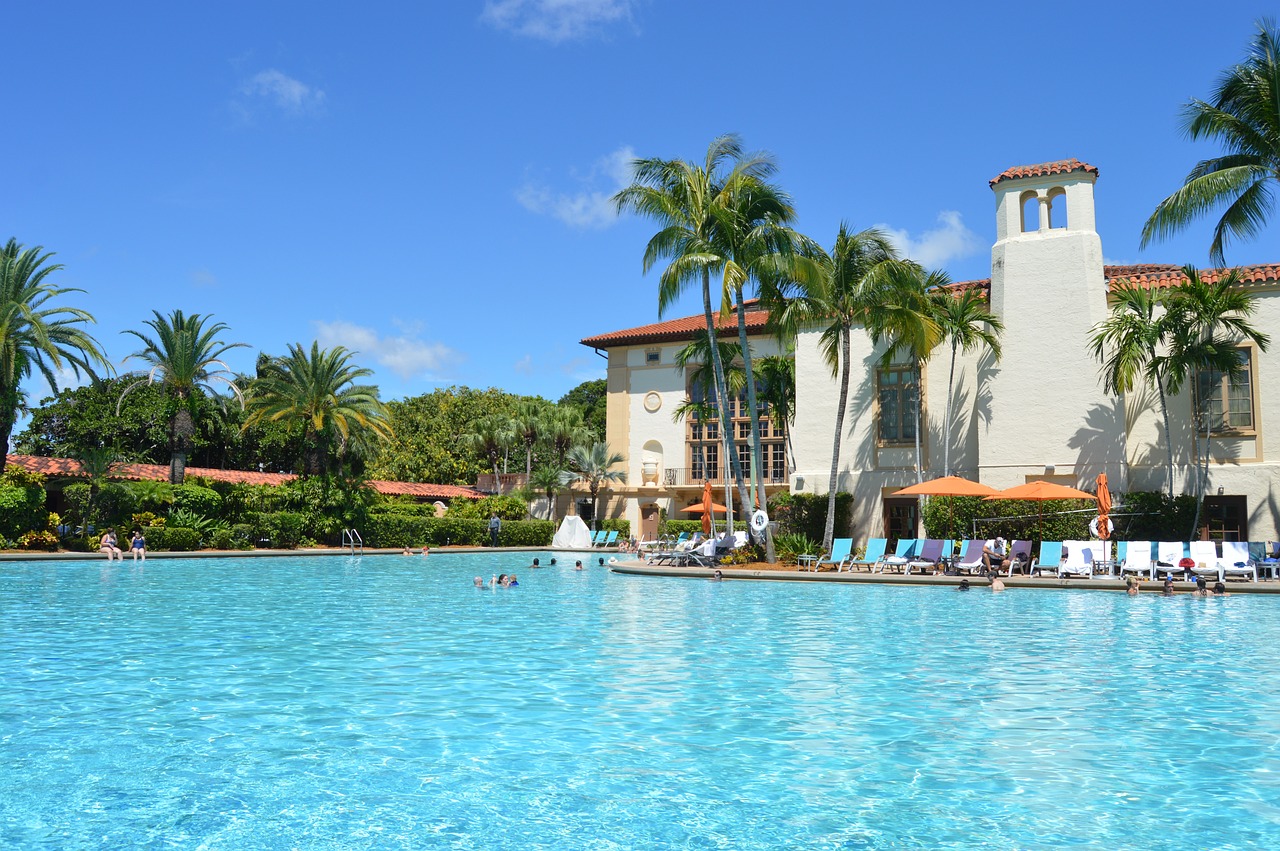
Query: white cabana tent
<point x="573" y="534"/>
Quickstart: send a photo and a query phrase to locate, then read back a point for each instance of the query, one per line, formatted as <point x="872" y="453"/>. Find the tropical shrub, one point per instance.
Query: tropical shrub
<point x="790" y="546"/>
<point x="1156" y="516"/>
<point x="506" y="507"/>
<point x="186" y="519"/>
<point x="115" y="501"/>
<point x="806" y="514"/>
<point x="975" y="517"/>
<point x="41" y="540"/>
<point x="172" y="539"/>
<point x="617" y="524"/>
<point x="144" y="519"/>
<point x="675" y="527"/>
<point x="21" y="502"/>
<point x="197" y="499"/>
<point x="285" y="529"/>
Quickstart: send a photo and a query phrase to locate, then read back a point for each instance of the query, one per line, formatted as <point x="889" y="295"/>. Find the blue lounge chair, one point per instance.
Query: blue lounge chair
<point x="841" y="548"/>
<point x="901" y="557"/>
<point x="1049" y="559"/>
<point x="875" y="552"/>
<point x="610" y="539"/>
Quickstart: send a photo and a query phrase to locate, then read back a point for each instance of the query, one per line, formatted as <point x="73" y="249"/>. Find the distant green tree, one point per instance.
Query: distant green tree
<point x="594" y="466"/>
<point x="546" y="480"/>
<point x="490" y="438"/>
<point x="591" y="398"/>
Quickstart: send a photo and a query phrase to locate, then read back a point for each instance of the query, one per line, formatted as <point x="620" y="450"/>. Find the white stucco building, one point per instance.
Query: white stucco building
<point x="1040" y="413"/>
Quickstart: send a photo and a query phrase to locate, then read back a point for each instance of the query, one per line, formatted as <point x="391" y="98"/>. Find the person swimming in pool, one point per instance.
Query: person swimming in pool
<point x="479" y="582"/>
<point x="1132" y="586"/>
<point x="577" y="565"/>
<point x="717" y="576"/>
<point x="963" y="586"/>
<point x="1167" y="590"/>
<point x="535" y="565"/>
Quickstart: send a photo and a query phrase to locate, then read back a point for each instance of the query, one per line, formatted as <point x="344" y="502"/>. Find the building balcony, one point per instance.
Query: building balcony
<point x="687" y="477"/>
<point x="502" y="485"/>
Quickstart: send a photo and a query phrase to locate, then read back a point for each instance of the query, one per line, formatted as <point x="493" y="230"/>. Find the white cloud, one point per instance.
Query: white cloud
<point x="202" y="277"/>
<point x="291" y="96"/>
<point x="933" y="249"/>
<point x="555" y="20"/>
<point x="590" y="208"/>
<point x="405" y="354"/>
<point x="524" y="366"/>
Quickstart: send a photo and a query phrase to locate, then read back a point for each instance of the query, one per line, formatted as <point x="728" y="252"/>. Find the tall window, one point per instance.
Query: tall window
<point x="1226" y="400"/>
<point x="703" y="442"/>
<point x="899" y="389"/>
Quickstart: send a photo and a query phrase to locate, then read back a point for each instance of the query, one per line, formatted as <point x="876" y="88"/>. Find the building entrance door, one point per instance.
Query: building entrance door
<point x="1224" y="518"/>
<point x="649" y="522"/>
<point x="901" y="517"/>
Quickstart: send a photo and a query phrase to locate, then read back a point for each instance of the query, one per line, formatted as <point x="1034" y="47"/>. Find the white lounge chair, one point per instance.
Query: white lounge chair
<point x="1079" y="561"/>
<point x="1137" y="559"/>
<point x="1236" y="561"/>
<point x="1205" y="555"/>
<point x="1168" y="554"/>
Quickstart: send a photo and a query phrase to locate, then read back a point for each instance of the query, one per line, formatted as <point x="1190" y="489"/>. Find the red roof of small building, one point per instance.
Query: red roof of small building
<point x="160" y="473"/>
<point x="680" y="329"/>
<point x="1044" y="170"/>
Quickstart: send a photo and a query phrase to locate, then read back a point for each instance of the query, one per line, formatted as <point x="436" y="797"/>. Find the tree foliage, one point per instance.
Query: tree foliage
<point x="590" y="397"/>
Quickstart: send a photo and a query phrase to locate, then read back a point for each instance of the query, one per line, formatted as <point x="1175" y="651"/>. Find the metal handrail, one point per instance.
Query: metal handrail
<point x="350" y="537"/>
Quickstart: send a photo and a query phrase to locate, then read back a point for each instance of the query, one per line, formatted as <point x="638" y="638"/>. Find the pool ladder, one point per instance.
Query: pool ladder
<point x="351" y="538"/>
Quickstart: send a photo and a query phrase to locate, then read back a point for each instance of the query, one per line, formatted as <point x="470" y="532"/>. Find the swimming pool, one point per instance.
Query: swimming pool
<point x="384" y="702"/>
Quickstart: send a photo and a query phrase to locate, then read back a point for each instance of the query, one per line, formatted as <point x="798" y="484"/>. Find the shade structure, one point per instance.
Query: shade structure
<point x="697" y="506"/>
<point x="1041" y="491"/>
<point x="948" y="486"/>
<point x="1104" y="506"/>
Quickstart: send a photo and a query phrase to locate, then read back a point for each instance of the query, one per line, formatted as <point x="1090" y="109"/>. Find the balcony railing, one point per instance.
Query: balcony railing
<point x="677" y="477"/>
<point x="503" y="485"/>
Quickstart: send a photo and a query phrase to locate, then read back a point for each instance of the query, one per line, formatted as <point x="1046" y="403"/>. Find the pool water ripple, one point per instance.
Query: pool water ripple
<point x="384" y="702"/>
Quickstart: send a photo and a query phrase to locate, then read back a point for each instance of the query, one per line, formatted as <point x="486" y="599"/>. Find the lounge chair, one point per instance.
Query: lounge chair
<point x="1236" y="561"/>
<point x="875" y="552"/>
<point x="1019" y="556"/>
<point x="1137" y="559"/>
<point x="901" y="556"/>
<point x="1205" y="555"/>
<point x="970" y="558"/>
<point x="1168" y="554"/>
<point x="929" y="556"/>
<point x="841" y="550"/>
<point x="1050" y="558"/>
<point x="610" y="539"/>
<point x="1263" y="553"/>
<point x="1079" y="560"/>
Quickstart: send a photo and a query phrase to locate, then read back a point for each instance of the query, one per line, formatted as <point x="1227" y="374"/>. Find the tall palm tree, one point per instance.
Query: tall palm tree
<point x="964" y="320"/>
<point x="900" y="312"/>
<point x="490" y="437"/>
<point x="594" y="466"/>
<point x="529" y="425"/>
<point x="778" y="386"/>
<point x="36" y="336"/>
<point x="319" y="389"/>
<point x="694" y="207"/>
<point x="842" y="289"/>
<point x="185" y="356"/>
<point x="1244" y="116"/>
<point x="1209" y="320"/>
<point x="546" y="480"/>
<point x="565" y="429"/>
<point x="1129" y="343"/>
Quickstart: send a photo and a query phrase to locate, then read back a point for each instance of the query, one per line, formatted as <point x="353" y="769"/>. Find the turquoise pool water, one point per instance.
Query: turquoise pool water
<point x="384" y="702"/>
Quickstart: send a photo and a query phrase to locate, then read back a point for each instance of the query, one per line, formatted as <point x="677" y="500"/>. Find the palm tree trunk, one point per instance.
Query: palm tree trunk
<point x="757" y="472"/>
<point x="1202" y="474"/>
<point x="946" y="425"/>
<point x="1168" y="436"/>
<point x="919" y="404"/>
<point x="722" y="398"/>
<point x="181" y="429"/>
<point x="828" y="531"/>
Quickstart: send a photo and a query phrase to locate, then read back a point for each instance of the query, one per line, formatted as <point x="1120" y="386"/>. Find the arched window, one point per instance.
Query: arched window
<point x="1058" y="208"/>
<point x="1030" y="204"/>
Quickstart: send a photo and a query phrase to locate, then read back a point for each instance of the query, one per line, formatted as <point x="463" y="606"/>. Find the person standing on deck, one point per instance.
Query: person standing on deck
<point x="495" y="526"/>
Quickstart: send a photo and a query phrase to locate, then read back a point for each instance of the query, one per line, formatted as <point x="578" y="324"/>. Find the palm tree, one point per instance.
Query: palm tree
<point x="529" y="425"/>
<point x="565" y="428"/>
<point x="843" y="288"/>
<point x="546" y="480"/>
<point x="1244" y="116"/>
<point x="1129" y="343"/>
<point x="778" y="380"/>
<point x="35" y="335"/>
<point x="901" y="312"/>
<point x="182" y="358"/>
<point x="694" y="205"/>
<point x="964" y="320"/>
<point x="1208" y="321"/>
<point x="594" y="466"/>
<point x="490" y="437"/>
<point x="318" y="389"/>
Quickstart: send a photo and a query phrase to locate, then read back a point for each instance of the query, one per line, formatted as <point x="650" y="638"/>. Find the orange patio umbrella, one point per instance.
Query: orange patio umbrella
<point x="1104" y="506"/>
<point x="947" y="486"/>
<point x="1041" y="491"/>
<point x="708" y="508"/>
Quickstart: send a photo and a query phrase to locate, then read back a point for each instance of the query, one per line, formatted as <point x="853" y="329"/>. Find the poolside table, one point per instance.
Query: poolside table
<point x="807" y="561"/>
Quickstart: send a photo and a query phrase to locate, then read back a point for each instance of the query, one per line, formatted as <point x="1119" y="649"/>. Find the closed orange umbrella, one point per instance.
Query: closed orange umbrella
<point x="707" y="508"/>
<point x="1104" y="506"/>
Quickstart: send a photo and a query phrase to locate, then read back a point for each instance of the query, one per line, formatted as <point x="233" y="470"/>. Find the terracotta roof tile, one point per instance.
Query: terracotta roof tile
<point x="1044" y="170"/>
<point x="160" y="473"/>
<point x="1163" y="277"/>
<point x="679" y="329"/>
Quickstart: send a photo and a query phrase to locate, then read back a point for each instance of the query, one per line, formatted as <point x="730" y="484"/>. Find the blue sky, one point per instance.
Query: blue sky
<point x="428" y="183"/>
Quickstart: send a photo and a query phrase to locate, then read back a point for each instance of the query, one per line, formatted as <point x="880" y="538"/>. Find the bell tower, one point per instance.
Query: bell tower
<point x="1048" y="412"/>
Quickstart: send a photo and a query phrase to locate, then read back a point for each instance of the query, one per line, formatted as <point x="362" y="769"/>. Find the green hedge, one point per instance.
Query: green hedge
<point x="617" y="524"/>
<point x="1015" y="519"/>
<point x="284" y="529"/>
<point x="806" y="514"/>
<point x="406" y="530"/>
<point x="675" y="527"/>
<point x="175" y="539"/>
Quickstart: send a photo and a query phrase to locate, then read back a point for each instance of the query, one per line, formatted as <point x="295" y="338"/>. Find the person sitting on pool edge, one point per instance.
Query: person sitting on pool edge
<point x="994" y="554"/>
<point x="107" y="544"/>
<point x="138" y="545"/>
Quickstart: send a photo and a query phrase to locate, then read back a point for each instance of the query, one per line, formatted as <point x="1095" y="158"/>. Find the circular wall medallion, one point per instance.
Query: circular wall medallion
<point x="652" y="402"/>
